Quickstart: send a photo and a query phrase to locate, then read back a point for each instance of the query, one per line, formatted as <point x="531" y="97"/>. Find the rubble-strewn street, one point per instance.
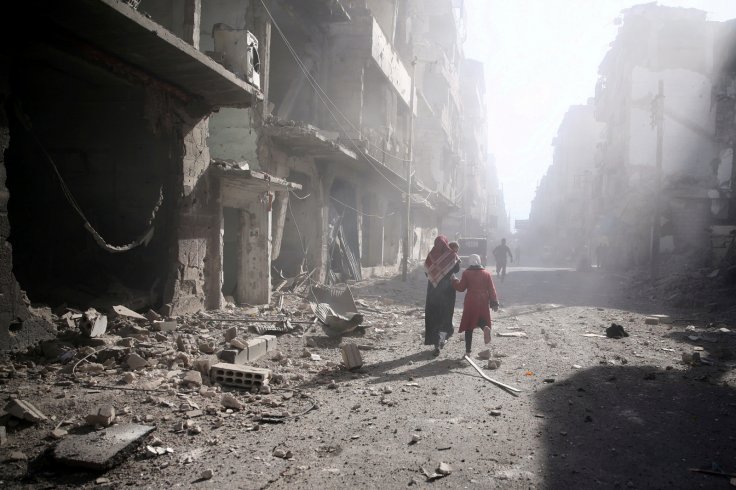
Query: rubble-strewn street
<point x="634" y="412"/>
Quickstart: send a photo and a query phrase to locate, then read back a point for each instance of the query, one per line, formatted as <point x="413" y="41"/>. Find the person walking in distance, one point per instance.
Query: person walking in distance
<point x="500" y="253"/>
<point x="480" y="298"/>
<point x="441" y="263"/>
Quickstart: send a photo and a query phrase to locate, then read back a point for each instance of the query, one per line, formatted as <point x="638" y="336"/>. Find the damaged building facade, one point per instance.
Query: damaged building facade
<point x="687" y="206"/>
<point x="177" y="154"/>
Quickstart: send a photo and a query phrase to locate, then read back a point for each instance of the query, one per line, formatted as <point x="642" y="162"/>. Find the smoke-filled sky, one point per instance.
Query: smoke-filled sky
<point x="542" y="56"/>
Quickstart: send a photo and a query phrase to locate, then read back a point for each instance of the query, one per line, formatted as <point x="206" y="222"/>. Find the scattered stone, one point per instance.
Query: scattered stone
<point x="57" y="433"/>
<point x="690" y="328"/>
<point x="484" y="355"/>
<point x="91" y="368"/>
<point x="231" y="333"/>
<point x="3" y="436"/>
<point x="165" y="325"/>
<point x="238" y="344"/>
<point x="93" y="324"/>
<point x="496" y="413"/>
<point x="283" y="454"/>
<point x="135" y="362"/>
<point x="193" y="378"/>
<point x="616" y="331"/>
<point x="265" y="390"/>
<point x="206" y="347"/>
<point x="512" y="334"/>
<point x="207" y="474"/>
<point x="128" y="378"/>
<point x="25" y="411"/>
<point x="103" y="416"/>
<point x="100" y="450"/>
<point x="102" y="481"/>
<point x="577" y="366"/>
<point x="493" y="364"/>
<point x="415" y="438"/>
<point x="315" y="357"/>
<point x="651" y="320"/>
<point x="229" y="401"/>
<point x="662" y="318"/>
<point x="444" y="469"/>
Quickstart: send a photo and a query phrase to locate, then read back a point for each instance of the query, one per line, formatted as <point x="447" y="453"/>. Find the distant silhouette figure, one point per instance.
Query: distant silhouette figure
<point x="500" y="253"/>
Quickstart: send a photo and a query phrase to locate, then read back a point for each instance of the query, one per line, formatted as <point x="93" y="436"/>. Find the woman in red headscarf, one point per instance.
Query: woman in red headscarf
<point x="441" y="263"/>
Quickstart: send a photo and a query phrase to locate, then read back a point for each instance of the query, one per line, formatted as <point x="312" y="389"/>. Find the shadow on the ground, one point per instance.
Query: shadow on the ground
<point x="636" y="427"/>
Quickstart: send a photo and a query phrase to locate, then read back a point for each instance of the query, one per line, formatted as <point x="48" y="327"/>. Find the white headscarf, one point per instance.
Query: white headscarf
<point x="474" y="260"/>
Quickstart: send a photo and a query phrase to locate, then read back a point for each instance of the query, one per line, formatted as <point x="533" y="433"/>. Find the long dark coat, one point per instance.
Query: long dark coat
<point x="439" y="308"/>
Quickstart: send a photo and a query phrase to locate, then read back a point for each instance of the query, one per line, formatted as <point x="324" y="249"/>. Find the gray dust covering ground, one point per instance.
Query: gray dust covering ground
<point x="594" y="412"/>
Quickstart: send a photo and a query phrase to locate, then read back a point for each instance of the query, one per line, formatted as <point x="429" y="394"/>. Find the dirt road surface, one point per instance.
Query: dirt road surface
<point x="593" y="412"/>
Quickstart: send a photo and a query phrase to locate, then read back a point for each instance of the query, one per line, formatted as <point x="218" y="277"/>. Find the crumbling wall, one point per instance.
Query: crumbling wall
<point x="12" y="306"/>
<point x="234" y="136"/>
<point x="196" y="272"/>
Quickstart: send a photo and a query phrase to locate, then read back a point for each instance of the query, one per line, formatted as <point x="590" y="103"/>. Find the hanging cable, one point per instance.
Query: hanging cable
<point x="145" y="238"/>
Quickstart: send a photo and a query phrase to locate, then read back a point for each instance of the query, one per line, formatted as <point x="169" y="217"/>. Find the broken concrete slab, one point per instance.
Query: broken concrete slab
<point x="120" y="310"/>
<point x="25" y="411"/>
<point x="233" y="356"/>
<point x="651" y="320"/>
<point x="103" y="449"/>
<point x="93" y="323"/>
<point x="231" y="333"/>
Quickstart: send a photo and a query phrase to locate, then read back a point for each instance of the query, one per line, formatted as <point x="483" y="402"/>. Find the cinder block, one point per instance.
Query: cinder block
<point x="239" y="376"/>
<point x="351" y="356"/>
<point x="259" y="346"/>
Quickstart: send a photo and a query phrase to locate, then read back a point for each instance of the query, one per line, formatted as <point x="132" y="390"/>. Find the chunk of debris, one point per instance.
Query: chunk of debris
<point x="135" y="362"/>
<point x="351" y="357"/>
<point x="193" y="378"/>
<point x="120" y="310"/>
<point x="93" y="323"/>
<point x="229" y="401"/>
<point x="102" y="416"/>
<point x="100" y="450"/>
<point x="651" y="320"/>
<point x="25" y="411"/>
<point x="152" y="316"/>
<point x="17" y="456"/>
<point x="207" y="474"/>
<point x="616" y="331"/>
<point x="3" y="436"/>
<point x="58" y="433"/>
<point x="512" y="334"/>
<point x="165" y="325"/>
<point x="493" y="364"/>
<point x="231" y="333"/>
<point x="484" y="355"/>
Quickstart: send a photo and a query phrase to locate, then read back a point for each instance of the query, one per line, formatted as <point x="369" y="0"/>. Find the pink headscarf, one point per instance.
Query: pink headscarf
<point x="440" y="260"/>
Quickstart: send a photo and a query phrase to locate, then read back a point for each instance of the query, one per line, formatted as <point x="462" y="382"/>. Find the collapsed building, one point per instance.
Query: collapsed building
<point x="685" y="201"/>
<point x="177" y="155"/>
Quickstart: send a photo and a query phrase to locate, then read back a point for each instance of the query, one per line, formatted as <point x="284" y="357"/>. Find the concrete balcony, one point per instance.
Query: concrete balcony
<point x="111" y="33"/>
<point x="362" y="39"/>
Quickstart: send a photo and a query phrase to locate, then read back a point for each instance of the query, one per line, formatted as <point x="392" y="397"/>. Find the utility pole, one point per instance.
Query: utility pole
<point x="407" y="219"/>
<point x="658" y="121"/>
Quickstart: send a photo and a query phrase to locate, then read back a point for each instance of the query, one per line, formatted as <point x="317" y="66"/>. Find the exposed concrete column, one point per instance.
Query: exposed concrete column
<point x="322" y="228"/>
<point x="261" y="28"/>
<point x="185" y="291"/>
<point x="254" y="278"/>
<point x="279" y="168"/>
<point x="192" y="21"/>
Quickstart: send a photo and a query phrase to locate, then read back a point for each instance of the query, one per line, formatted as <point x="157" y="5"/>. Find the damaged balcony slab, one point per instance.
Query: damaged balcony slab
<point x="305" y="139"/>
<point x="101" y="450"/>
<point x="240" y="176"/>
<point x="131" y="37"/>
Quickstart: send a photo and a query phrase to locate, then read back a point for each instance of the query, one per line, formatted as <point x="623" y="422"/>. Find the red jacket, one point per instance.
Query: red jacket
<point x="480" y="293"/>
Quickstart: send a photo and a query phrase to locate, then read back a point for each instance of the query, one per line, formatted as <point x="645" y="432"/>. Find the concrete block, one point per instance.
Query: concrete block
<point x="165" y="325"/>
<point x="136" y="362"/>
<point x="233" y="356"/>
<point x="662" y="318"/>
<point x="92" y="323"/>
<point x="239" y="376"/>
<point x="100" y="450"/>
<point x="103" y="416"/>
<point x="260" y="346"/>
<point x="651" y="320"/>
<point x="25" y="411"/>
<point x="351" y="357"/>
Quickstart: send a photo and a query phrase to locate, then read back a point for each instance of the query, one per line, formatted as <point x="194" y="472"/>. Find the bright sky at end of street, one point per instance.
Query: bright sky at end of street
<point x="541" y="57"/>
